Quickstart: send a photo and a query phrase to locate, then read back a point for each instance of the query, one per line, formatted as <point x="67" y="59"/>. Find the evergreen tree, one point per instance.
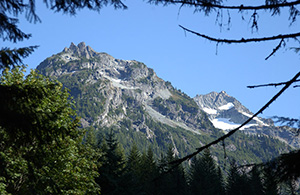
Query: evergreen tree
<point x="132" y="177"/>
<point x="270" y="180"/>
<point x="204" y="176"/>
<point x="255" y="182"/>
<point x="237" y="182"/>
<point x="172" y="178"/>
<point x="149" y="172"/>
<point x="113" y="166"/>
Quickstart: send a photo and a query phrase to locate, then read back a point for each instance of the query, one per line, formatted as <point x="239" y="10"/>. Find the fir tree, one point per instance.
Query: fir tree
<point x="132" y="177"/>
<point x="172" y="178"/>
<point x="255" y="182"/>
<point x="237" y="181"/>
<point x="113" y="166"/>
<point x="149" y="172"/>
<point x="205" y="177"/>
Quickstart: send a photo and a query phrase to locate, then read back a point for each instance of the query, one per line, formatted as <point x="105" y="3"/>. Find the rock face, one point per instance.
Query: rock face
<point x="126" y="95"/>
<point x="118" y="79"/>
<point x="226" y="113"/>
<point x="128" y="98"/>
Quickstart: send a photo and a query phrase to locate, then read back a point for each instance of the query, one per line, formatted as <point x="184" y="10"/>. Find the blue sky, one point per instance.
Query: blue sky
<point x="150" y="34"/>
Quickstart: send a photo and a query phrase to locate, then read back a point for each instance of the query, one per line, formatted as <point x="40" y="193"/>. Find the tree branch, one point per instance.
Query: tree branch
<point x="275" y="49"/>
<point x="271" y="84"/>
<point x="240" y="7"/>
<point x="13" y="57"/>
<point x="242" y="40"/>
<point x="287" y="85"/>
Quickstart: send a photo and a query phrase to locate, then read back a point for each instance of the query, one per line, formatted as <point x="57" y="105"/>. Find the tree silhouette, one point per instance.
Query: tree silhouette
<point x="112" y="167"/>
<point x="205" y="176"/>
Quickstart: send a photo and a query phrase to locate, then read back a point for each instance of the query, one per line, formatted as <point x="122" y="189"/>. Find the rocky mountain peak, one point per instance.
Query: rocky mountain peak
<point x="217" y="101"/>
<point x="80" y="50"/>
<point x="225" y="111"/>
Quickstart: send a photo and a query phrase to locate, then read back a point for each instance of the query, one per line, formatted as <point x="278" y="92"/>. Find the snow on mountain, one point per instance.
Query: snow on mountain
<point x="224" y="111"/>
<point x="225" y="124"/>
<point x="210" y="110"/>
<point x="255" y="118"/>
<point x="227" y="113"/>
<point x="226" y="106"/>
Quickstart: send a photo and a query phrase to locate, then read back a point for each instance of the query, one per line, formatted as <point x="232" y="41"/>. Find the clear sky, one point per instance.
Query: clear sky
<point x="151" y="34"/>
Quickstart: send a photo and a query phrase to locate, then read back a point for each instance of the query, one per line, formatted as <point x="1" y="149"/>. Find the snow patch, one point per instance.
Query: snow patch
<point x="255" y="118"/>
<point x="225" y="124"/>
<point x="226" y="106"/>
<point x="117" y="82"/>
<point x="210" y="110"/>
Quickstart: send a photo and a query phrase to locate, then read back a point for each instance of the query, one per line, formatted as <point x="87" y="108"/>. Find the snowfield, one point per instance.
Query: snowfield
<point x="226" y="106"/>
<point x="255" y="118"/>
<point x="210" y="111"/>
<point x="225" y="124"/>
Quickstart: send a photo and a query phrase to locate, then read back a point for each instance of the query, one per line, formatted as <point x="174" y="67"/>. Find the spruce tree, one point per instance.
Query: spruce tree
<point x="113" y="166"/>
<point x="204" y="176"/>
<point x="255" y="182"/>
<point x="237" y="181"/>
<point x="172" y="178"/>
<point x="270" y="180"/>
<point x="149" y="172"/>
<point x="132" y="176"/>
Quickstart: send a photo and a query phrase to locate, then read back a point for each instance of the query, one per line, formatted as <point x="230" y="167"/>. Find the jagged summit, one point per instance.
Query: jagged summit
<point x="219" y="101"/>
<point x="120" y="83"/>
<point x="80" y="50"/>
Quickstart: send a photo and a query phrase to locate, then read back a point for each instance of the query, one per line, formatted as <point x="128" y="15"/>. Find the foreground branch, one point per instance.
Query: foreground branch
<point x="240" y="7"/>
<point x="275" y="49"/>
<point x="271" y="84"/>
<point x="287" y="85"/>
<point x="242" y="40"/>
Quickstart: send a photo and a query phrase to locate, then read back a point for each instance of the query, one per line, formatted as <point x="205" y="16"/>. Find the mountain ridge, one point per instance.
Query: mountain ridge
<point x="128" y="98"/>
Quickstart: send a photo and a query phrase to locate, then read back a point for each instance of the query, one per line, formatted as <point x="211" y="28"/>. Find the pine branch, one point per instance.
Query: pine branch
<point x="242" y="40"/>
<point x="198" y="150"/>
<point x="271" y="84"/>
<point x="9" y="30"/>
<point x="291" y="122"/>
<point x="71" y="7"/>
<point x="14" y="57"/>
<point x="12" y="6"/>
<point x="240" y="7"/>
<point x="31" y="14"/>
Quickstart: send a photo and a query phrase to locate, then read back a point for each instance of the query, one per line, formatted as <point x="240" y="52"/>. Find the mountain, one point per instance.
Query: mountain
<point x="227" y="113"/>
<point x="128" y="98"/>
